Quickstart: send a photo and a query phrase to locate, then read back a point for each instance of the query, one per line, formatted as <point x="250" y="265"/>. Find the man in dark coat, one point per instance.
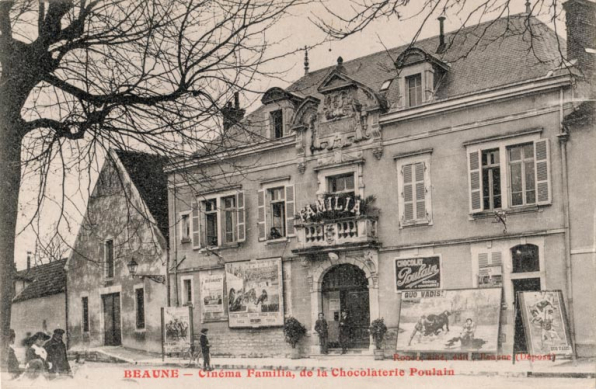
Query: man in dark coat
<point x="56" y="350"/>
<point x="323" y="330"/>
<point x="205" y="350"/>
<point x="345" y="331"/>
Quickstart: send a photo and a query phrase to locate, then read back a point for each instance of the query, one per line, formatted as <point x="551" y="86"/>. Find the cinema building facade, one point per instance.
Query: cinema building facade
<point x="445" y="165"/>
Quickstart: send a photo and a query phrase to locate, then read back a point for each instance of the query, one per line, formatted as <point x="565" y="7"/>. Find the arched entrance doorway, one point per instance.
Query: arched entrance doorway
<point x="345" y="287"/>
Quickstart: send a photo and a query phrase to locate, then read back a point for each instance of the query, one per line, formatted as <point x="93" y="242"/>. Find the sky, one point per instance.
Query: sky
<point x="293" y="33"/>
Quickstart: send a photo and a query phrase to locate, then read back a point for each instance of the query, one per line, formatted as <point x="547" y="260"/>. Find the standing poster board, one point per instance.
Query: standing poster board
<point x="177" y="329"/>
<point x="438" y="321"/>
<point x="212" y="296"/>
<point x="545" y="322"/>
<point x="255" y="294"/>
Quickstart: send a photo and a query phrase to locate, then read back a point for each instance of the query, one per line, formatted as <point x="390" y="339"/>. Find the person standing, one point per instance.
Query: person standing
<point x="36" y="350"/>
<point x="345" y="331"/>
<point x="205" y="346"/>
<point x="322" y="329"/>
<point x="57" y="357"/>
<point x="14" y="368"/>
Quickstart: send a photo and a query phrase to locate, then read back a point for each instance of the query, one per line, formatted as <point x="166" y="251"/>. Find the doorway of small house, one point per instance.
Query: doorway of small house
<point x="345" y="287"/>
<point x="111" y="319"/>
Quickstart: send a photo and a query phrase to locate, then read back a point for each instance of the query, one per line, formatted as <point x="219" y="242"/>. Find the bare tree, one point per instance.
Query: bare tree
<point x="80" y="76"/>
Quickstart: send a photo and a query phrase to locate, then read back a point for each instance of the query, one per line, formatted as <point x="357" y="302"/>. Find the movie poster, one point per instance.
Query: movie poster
<point x="418" y="273"/>
<point x="212" y="296"/>
<point x="177" y="329"/>
<point x="450" y="321"/>
<point x="545" y="322"/>
<point x="255" y="293"/>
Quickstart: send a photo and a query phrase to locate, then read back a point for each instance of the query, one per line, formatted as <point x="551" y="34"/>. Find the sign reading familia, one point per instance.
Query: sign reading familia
<point x="347" y="204"/>
<point x="255" y="293"/>
<point x="418" y="273"/>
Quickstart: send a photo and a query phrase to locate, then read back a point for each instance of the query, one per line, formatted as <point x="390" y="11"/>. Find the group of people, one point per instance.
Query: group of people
<point x="45" y="357"/>
<point x="345" y="332"/>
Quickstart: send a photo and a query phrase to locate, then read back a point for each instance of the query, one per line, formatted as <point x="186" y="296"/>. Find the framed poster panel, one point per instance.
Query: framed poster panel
<point x="177" y="329"/>
<point x="545" y="322"/>
<point x="450" y="321"/>
<point x="418" y="273"/>
<point x="212" y="296"/>
<point x="255" y="293"/>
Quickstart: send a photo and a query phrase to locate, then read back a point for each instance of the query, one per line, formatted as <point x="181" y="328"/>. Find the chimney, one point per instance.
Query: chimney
<point x="232" y="114"/>
<point x="306" y="60"/>
<point x="441" y="46"/>
<point x="28" y="260"/>
<point x="580" y="18"/>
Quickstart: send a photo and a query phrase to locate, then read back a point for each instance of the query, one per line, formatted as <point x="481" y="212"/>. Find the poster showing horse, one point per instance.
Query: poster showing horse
<point x="463" y="320"/>
<point x="545" y="322"/>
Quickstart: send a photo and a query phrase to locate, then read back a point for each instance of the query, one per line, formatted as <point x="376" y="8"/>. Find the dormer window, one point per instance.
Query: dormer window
<point x="414" y="89"/>
<point x="277" y="124"/>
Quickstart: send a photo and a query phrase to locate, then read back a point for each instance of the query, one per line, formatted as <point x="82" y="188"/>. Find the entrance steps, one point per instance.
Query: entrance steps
<point x="350" y="353"/>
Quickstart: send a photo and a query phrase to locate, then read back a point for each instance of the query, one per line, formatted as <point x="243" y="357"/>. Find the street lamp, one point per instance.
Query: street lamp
<point x="132" y="269"/>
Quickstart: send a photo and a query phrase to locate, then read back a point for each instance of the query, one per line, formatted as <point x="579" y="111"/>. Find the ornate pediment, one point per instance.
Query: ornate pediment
<point x="415" y="55"/>
<point x="277" y="94"/>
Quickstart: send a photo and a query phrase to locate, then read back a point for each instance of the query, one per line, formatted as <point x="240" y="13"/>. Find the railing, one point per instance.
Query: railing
<point x="337" y="232"/>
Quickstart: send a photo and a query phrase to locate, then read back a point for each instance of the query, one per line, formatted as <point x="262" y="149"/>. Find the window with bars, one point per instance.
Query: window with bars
<point x="85" y="304"/>
<point x="414" y="191"/>
<point x="414" y="89"/>
<point x="140" y="308"/>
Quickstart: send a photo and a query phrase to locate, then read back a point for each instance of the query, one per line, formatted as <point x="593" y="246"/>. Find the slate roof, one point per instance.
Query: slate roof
<point x="146" y="172"/>
<point x="46" y="280"/>
<point x="484" y="56"/>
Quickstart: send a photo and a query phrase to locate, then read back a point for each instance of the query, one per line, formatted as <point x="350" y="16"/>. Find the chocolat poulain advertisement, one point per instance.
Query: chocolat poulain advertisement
<point x="418" y="273"/>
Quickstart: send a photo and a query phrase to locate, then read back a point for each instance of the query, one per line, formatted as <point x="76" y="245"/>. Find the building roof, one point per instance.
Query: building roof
<point x="480" y="57"/>
<point x="146" y="172"/>
<point x="45" y="280"/>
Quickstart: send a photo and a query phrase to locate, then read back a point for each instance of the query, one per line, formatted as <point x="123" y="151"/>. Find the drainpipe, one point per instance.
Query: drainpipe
<point x="175" y="246"/>
<point x="563" y="138"/>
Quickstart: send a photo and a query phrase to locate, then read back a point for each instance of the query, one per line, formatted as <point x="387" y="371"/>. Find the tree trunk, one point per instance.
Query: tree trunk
<point x="10" y="180"/>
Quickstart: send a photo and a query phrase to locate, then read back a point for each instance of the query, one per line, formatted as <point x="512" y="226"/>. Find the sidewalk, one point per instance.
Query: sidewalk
<point x="584" y="367"/>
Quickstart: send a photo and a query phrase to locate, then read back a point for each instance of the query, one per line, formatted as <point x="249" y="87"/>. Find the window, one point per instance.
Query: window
<point x="522" y="175"/>
<point x="342" y="185"/>
<point x="414" y="189"/>
<point x="491" y="179"/>
<point x="140" y="307"/>
<point x="187" y="297"/>
<point x="85" y="304"/>
<point x="275" y="218"/>
<point x="414" y="89"/>
<point x="277" y="124"/>
<point x="185" y="227"/>
<point x="109" y="258"/>
<point x="525" y="259"/>
<point x="218" y="221"/>
<point x="509" y="175"/>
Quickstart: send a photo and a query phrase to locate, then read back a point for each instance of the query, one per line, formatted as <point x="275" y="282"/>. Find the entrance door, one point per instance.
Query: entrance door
<point x="522" y="285"/>
<point x="111" y="314"/>
<point x="345" y="287"/>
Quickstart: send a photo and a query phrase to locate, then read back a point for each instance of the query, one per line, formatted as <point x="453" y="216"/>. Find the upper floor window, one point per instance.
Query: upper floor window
<point x="140" y="308"/>
<point x="508" y="175"/>
<point x="276" y="212"/>
<point x="414" y="190"/>
<point x="187" y="291"/>
<point x="277" y="124"/>
<point x="185" y="227"/>
<point x="109" y="258"/>
<point x="414" y="89"/>
<point x="218" y="221"/>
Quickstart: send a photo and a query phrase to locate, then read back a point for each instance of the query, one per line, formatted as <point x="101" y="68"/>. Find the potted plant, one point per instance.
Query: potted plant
<point x="293" y="332"/>
<point x="378" y="329"/>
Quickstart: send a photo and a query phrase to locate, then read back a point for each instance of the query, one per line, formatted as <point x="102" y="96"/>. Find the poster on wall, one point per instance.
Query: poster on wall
<point x="177" y="329"/>
<point x="418" y="273"/>
<point x="255" y="293"/>
<point x="212" y="296"/>
<point x="545" y="322"/>
<point x="450" y="321"/>
<point x="490" y="277"/>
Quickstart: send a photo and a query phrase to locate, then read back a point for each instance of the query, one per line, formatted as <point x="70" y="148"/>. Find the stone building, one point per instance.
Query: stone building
<point x="125" y="221"/>
<point x="461" y="151"/>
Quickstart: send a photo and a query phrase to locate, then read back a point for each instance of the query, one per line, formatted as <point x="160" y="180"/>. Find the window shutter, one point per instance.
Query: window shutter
<point x="420" y="190"/>
<point x="290" y="210"/>
<point x="483" y="260"/>
<point x="287" y="119"/>
<point x="542" y="169"/>
<point x="196" y="226"/>
<point x="241" y="222"/>
<point x="261" y="215"/>
<point x="475" y="171"/>
<point x="408" y="193"/>
<point x="496" y="258"/>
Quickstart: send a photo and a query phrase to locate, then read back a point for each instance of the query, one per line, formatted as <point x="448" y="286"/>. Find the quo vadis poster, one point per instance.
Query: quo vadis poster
<point x="449" y="320"/>
<point x="255" y="293"/>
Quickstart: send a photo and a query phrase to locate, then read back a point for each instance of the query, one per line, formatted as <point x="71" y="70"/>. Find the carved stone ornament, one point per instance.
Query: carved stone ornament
<point x="338" y="105"/>
<point x="301" y="167"/>
<point x="378" y="152"/>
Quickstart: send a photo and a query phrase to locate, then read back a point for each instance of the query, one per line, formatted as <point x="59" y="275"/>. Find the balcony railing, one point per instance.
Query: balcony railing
<point x="361" y="229"/>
